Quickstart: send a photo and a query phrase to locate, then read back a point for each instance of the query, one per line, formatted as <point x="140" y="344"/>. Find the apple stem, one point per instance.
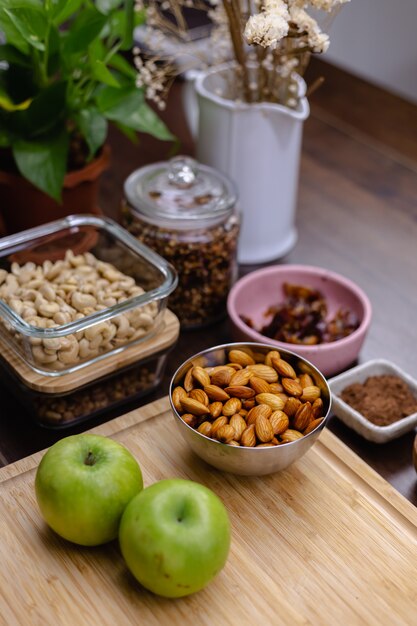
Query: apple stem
<point x="90" y="459"/>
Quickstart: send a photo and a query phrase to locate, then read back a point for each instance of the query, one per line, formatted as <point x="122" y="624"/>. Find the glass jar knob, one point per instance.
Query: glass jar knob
<point x="182" y="172"/>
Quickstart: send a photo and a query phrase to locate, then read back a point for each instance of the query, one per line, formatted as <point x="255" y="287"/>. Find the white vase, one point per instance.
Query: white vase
<point x="258" y="146"/>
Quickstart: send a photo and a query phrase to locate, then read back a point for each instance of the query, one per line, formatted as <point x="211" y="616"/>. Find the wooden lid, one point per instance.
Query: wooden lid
<point x="166" y="337"/>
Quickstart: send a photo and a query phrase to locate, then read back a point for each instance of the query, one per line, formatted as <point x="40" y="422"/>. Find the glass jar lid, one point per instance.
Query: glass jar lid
<point x="180" y="193"/>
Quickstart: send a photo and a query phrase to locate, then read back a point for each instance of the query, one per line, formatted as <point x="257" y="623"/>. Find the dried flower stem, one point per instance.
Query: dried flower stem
<point x="232" y="9"/>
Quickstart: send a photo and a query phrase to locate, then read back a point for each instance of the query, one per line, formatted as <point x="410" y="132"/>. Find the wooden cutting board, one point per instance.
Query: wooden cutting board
<point x="325" y="542"/>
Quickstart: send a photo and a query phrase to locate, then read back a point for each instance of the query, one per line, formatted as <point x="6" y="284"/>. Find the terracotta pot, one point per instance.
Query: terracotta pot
<point x="24" y="206"/>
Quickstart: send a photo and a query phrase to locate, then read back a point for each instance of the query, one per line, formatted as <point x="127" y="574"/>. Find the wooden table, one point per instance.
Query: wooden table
<point x="357" y="215"/>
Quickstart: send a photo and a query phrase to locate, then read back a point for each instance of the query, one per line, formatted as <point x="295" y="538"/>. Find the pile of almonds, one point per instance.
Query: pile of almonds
<point x="255" y="400"/>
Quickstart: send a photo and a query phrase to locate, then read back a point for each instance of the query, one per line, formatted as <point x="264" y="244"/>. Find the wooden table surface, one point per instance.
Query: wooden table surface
<point x="357" y="215"/>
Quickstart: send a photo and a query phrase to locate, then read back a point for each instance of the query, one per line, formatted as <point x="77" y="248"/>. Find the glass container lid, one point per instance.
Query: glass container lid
<point x="181" y="191"/>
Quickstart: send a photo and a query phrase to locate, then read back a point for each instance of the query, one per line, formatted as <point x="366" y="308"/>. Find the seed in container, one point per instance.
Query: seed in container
<point x="254" y="400"/>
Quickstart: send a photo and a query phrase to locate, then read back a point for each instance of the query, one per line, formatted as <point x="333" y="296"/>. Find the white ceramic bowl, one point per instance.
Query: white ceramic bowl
<point x="354" y="419"/>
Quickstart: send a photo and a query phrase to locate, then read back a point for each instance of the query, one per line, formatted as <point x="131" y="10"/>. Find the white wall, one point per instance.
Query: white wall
<point x="377" y="40"/>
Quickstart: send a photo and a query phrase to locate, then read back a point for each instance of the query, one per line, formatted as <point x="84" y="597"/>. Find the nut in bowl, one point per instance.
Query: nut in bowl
<point x="248" y="409"/>
<point x="319" y="314"/>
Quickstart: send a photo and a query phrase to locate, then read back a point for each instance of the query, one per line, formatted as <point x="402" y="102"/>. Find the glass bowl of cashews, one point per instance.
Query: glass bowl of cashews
<point x="249" y="409"/>
<point x="78" y="289"/>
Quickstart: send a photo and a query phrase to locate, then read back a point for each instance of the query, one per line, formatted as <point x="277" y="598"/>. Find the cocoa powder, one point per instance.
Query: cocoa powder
<point x="383" y="400"/>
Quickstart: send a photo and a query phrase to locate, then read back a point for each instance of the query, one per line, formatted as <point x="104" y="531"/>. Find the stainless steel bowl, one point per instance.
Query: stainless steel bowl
<point x="240" y="460"/>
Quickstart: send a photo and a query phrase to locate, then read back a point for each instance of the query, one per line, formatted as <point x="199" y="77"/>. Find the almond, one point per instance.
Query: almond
<point x="194" y="407"/>
<point x="189" y="419"/>
<point x="291" y="435"/>
<point x="222" y="376"/>
<point x="310" y="393"/>
<point x="312" y="425"/>
<point x="263" y="429"/>
<point x="215" y="409"/>
<point x="232" y="406"/>
<point x="283" y="368"/>
<point x="291" y="387"/>
<point x="240" y="391"/>
<point x="272" y="354"/>
<point x="259" y="357"/>
<point x="291" y="406"/>
<point x="279" y="422"/>
<point x="220" y="421"/>
<point x="205" y="429"/>
<point x="275" y="441"/>
<point x="233" y="443"/>
<point x="225" y="434"/>
<point x="241" y="377"/>
<point x="275" y="388"/>
<point x="243" y="412"/>
<point x="264" y="371"/>
<point x="200" y="375"/>
<point x="200" y="396"/>
<point x="303" y="417"/>
<point x="238" y="423"/>
<point x="306" y="380"/>
<point x="178" y="393"/>
<point x="317" y="409"/>
<point x="248" y="438"/>
<point x="189" y="381"/>
<point x="215" y="393"/>
<point x="275" y="402"/>
<point x="259" y="385"/>
<point x="261" y="409"/>
<point x="235" y="366"/>
<point x="265" y="445"/>
<point x="248" y="404"/>
<point x="240" y="357"/>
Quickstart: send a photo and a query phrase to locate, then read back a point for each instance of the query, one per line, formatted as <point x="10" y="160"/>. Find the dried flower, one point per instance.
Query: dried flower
<point x="281" y="33"/>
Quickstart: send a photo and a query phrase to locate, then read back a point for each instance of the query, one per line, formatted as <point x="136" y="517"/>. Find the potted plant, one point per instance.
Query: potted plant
<point x="63" y="78"/>
<point x="252" y="102"/>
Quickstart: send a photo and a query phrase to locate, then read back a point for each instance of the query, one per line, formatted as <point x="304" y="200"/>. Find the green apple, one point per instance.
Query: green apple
<point x="83" y="484"/>
<point x="175" y="537"/>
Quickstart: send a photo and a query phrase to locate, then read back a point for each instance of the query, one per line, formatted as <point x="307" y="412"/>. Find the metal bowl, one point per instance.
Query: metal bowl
<point x="240" y="460"/>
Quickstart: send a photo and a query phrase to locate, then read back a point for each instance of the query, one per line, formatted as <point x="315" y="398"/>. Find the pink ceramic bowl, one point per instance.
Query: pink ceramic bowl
<point x="253" y="294"/>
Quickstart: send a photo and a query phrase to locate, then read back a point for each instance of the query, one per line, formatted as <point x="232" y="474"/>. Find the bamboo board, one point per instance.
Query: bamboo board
<point x="325" y="542"/>
<point x="165" y="337"/>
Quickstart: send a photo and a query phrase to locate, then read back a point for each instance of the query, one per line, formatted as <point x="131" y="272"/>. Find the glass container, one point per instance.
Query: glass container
<point x="186" y="212"/>
<point x="78" y="289"/>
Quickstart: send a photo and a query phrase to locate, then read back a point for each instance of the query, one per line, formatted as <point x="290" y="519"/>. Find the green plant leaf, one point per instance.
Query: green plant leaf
<point x="47" y="110"/>
<point x="44" y="163"/>
<point x="106" y="6"/>
<point x="119" y="63"/>
<point x="102" y="74"/>
<point x="130" y="134"/>
<point x="118" y="103"/>
<point x="12" y="55"/>
<point x="13" y="36"/>
<point x="147" y="121"/>
<point x="127" y="41"/>
<point x="31" y="24"/>
<point x="93" y="127"/>
<point x="83" y="31"/>
<point x="63" y="9"/>
<point x="127" y="106"/>
<point x="4" y="138"/>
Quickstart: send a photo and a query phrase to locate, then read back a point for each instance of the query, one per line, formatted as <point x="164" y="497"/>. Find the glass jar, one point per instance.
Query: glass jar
<point x="187" y="213"/>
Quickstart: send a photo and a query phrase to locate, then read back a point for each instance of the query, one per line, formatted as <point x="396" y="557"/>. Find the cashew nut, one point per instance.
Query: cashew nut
<point x="70" y="355"/>
<point x="123" y="326"/>
<point x="48" y="309"/>
<point x="42" y="357"/>
<point x="81" y="301"/>
<point x="55" y="294"/>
